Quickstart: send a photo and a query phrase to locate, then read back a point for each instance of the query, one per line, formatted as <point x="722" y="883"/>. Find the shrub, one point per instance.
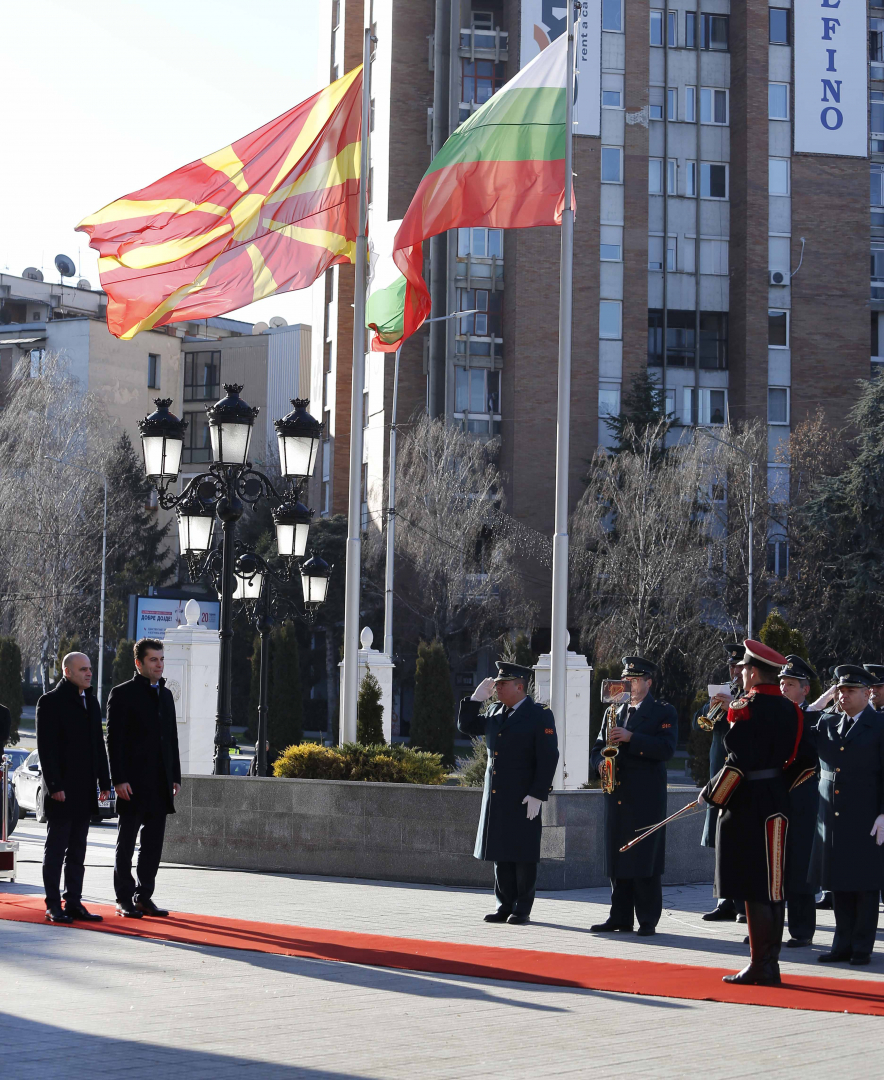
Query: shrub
<point x="471" y="769"/>
<point x="379" y="764"/>
<point x="369" y="712"/>
<point x="432" y="724"/>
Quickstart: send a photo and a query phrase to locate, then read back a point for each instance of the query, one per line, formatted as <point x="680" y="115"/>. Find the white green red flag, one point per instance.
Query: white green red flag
<point x="503" y="168"/>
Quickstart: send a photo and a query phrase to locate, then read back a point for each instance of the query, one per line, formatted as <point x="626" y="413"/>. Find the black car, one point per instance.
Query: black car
<point x="30" y="792"/>
<point x="15" y="757"/>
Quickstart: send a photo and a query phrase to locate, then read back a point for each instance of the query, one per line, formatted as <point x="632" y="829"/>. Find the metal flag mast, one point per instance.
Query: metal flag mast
<point x="350" y="670"/>
<point x="559" y="644"/>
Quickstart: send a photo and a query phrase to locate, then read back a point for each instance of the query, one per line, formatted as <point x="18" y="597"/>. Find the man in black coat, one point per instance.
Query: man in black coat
<point x="73" y="761"/>
<point x="142" y="737"/>
<point x="523" y="752"/>
<point x="848" y="856"/>
<point x="5" y="726"/>
<point x="645" y="732"/>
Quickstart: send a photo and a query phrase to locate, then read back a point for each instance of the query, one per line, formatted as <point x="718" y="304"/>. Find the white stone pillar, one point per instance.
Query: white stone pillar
<point x="381" y="666"/>
<point x="573" y="728"/>
<point x="192" y="661"/>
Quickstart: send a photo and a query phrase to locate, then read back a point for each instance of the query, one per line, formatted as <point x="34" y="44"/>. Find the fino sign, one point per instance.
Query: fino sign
<point x="831" y="73"/>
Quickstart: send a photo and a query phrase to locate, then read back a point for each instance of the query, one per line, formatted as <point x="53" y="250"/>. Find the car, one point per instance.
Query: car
<point x="15" y="757"/>
<point x="31" y="794"/>
<point x="240" y="764"/>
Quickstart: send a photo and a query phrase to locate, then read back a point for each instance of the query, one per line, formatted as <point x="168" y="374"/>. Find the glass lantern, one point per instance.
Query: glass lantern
<point x="162" y="442"/>
<point x="298" y="435"/>
<point x="230" y="427"/>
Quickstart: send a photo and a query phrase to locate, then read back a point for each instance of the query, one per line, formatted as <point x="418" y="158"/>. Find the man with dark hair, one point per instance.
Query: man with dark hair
<point x="73" y="761"/>
<point x="876" y="698"/>
<point x="523" y="752"/>
<point x="645" y="732"/>
<point x="142" y="737"/>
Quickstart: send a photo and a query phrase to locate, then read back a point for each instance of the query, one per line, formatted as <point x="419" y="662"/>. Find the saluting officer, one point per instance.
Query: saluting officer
<point x="523" y="752"/>
<point x="877" y="696"/>
<point x="800" y="890"/>
<point x="848" y="857"/>
<point x="645" y="735"/>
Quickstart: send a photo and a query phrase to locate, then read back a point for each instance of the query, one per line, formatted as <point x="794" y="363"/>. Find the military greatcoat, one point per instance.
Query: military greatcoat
<point x="851" y="795"/>
<point x="639" y="799"/>
<point x="803" y="800"/>
<point x="716" y="761"/>
<point x="523" y="752"/>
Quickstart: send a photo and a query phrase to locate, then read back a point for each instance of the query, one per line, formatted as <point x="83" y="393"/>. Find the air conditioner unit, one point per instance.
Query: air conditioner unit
<point x="779" y="277"/>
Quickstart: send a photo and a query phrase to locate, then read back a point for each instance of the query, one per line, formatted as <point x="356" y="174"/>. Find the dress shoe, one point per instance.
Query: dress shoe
<point x="721" y="914"/>
<point x="799" y="943"/>
<point x="518" y="920"/>
<point x="497" y="916"/>
<point x="833" y="957"/>
<point x="128" y="910"/>
<point x="765" y="974"/>
<point x="148" y="907"/>
<point x="741" y="918"/>
<point x="55" y="913"/>
<point x="859" y="959"/>
<point x="746" y="940"/>
<point x="645" y="930"/>
<point x="826" y="903"/>
<point x="78" y="912"/>
<point x="610" y="927"/>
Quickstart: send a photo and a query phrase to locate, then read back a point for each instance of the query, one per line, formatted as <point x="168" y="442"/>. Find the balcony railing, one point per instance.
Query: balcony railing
<point x="484" y="44"/>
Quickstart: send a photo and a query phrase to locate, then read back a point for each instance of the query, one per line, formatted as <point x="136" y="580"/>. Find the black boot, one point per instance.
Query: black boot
<point x="765" y="921"/>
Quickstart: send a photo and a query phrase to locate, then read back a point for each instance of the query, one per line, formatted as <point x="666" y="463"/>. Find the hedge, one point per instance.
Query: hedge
<point x="395" y="764"/>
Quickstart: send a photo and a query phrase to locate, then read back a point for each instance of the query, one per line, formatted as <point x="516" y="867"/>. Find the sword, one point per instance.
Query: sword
<point x="660" y="824"/>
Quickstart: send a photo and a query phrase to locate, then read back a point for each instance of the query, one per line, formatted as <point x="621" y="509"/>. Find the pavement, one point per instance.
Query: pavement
<point x="76" y="1004"/>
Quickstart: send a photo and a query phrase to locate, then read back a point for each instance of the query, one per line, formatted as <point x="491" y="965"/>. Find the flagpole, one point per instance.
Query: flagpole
<point x="350" y="670"/>
<point x="559" y="644"/>
<point x="391" y="518"/>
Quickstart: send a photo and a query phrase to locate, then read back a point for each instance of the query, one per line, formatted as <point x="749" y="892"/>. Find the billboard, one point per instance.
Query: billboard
<point x="155" y="614"/>
<point x="831" y="107"/>
<point x="542" y="22"/>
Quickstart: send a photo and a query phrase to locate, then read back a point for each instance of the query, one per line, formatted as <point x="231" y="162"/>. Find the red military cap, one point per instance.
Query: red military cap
<point x="764" y="654"/>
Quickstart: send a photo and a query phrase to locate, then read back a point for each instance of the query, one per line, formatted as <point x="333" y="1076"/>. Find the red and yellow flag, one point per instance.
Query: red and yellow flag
<point x="267" y="214"/>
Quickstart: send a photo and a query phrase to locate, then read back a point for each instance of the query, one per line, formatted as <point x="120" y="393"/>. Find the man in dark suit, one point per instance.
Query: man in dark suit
<point x="523" y="752"/>
<point x="876" y="698"/>
<point x="142" y="737"/>
<point x="645" y="732"/>
<point x="73" y="761"/>
<point x="5" y="726"/>
<point x="848" y="856"/>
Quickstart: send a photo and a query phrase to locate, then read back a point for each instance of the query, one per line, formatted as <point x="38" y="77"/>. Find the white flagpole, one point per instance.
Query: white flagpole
<point x="350" y="670"/>
<point x="559" y="646"/>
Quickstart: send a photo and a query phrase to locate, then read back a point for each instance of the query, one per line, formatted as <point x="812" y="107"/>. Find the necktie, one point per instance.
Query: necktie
<point x="630" y="713"/>
<point x="846" y="725"/>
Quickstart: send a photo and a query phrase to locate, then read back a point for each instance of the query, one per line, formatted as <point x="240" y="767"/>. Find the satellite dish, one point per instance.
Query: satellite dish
<point x="278" y="321"/>
<point x="32" y="273"/>
<point x="259" y="327"/>
<point x="83" y="283"/>
<point x="65" y="266"/>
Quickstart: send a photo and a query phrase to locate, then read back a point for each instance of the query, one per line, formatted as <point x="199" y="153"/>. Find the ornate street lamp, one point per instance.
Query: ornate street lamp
<point x="298" y="435"/>
<point x="162" y="440"/>
<point x="292" y="520"/>
<point x="230" y="427"/>
<point x="196" y="521"/>
<point x="315" y="573"/>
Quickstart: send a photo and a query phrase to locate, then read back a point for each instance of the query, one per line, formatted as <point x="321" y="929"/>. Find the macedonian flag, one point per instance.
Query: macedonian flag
<point x="267" y="214"/>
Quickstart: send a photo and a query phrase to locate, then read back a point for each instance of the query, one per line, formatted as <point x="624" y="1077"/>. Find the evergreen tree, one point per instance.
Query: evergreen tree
<point x="67" y="644"/>
<point x="369" y="712"/>
<point x="642" y="409"/>
<point x="124" y="661"/>
<point x="285" y="710"/>
<point x="11" y="694"/>
<point x="433" y="722"/>
<point x="777" y="633"/>
<point x="518" y="651"/>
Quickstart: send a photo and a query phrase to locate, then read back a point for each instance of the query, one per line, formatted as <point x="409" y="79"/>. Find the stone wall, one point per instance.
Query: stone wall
<point x="394" y="832"/>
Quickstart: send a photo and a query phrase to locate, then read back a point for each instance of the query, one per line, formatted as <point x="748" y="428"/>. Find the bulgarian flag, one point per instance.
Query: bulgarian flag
<point x="267" y="214"/>
<point x="503" y="168"/>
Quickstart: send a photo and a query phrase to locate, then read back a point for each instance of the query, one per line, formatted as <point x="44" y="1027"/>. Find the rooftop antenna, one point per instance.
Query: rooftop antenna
<point x="65" y="267"/>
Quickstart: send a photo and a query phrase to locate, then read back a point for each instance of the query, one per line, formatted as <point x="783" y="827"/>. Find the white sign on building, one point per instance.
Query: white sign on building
<point x="831" y="102"/>
<point x="542" y="22"/>
<point x="155" y="615"/>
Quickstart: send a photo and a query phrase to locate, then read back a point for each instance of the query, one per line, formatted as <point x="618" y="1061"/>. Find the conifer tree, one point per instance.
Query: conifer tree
<point x="285" y="710"/>
<point x="433" y="721"/>
<point x="11" y="694"/>
<point x="642" y="408"/>
<point x="369" y="712"/>
<point x="124" y="661"/>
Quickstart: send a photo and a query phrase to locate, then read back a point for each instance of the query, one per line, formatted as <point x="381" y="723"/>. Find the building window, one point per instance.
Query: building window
<point x="713" y="257"/>
<point x="655" y="112"/>
<point x="197" y="443"/>
<point x="609" y="402"/>
<point x="778" y="554"/>
<point x="480" y="79"/>
<point x="611" y="246"/>
<point x="712" y="410"/>
<point x="153" y="371"/>
<point x="713" y="106"/>
<point x="778" y="329"/>
<point x="779" y="26"/>
<point x="778" y="176"/>
<point x="690" y="104"/>
<point x="612" y="16"/>
<point x="486" y="320"/>
<point x="778" y="405"/>
<point x="611" y="99"/>
<point x="480" y="243"/>
<point x="690" y="178"/>
<point x="877" y="274"/>
<point x="715" y="33"/>
<point x="672" y="177"/>
<point x="680" y="339"/>
<point x="656" y="27"/>
<point x="876" y="194"/>
<point x="655" y="253"/>
<point x="655" y="176"/>
<point x="325" y="499"/>
<point x="778" y="101"/>
<point x="876" y="48"/>
<point x="612" y="165"/>
<point x="713" y="180"/>
<point x="876" y="120"/>
<point x="35" y="362"/>
<point x="690" y="29"/>
<point x="610" y="323"/>
<point x="477" y="399"/>
<point x="202" y="376"/>
<point x="672" y="104"/>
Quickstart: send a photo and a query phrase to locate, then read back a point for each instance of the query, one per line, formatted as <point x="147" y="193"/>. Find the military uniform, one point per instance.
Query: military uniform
<point x="638" y="800"/>
<point x="523" y="752"/>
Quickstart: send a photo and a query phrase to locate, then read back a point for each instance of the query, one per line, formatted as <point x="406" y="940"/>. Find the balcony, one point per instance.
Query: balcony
<point x="484" y="44"/>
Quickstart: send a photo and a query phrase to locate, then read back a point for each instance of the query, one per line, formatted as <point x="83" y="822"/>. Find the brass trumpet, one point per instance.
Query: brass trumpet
<point x="716" y="712"/>
<point x="609" y="753"/>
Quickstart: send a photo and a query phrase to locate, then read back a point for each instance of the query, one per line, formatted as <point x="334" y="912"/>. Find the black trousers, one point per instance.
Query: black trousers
<point x="642" y="895"/>
<point x="153" y="828"/>
<point x="514" y="884"/>
<point x="802" y="916"/>
<point x="66" y="837"/>
<point x="856" y="921"/>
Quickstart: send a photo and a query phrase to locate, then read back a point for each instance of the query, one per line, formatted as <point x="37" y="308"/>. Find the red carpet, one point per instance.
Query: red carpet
<point x="478" y="961"/>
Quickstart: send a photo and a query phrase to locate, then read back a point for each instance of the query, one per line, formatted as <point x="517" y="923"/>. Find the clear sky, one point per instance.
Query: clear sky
<point x="102" y="97"/>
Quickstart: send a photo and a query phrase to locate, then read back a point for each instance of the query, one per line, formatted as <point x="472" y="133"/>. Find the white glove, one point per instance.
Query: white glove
<point x="484" y="690"/>
<point x="878" y="830"/>
<point x="701" y="799"/>
<point x="534" y="806"/>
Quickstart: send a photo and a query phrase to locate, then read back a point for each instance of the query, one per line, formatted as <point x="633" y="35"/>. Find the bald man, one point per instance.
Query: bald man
<point x="73" y="760"/>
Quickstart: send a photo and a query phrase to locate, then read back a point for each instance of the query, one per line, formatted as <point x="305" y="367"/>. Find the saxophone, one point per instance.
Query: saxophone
<point x="609" y="753"/>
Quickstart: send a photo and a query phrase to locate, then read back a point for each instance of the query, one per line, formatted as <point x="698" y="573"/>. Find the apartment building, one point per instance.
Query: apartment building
<point x="720" y="238"/>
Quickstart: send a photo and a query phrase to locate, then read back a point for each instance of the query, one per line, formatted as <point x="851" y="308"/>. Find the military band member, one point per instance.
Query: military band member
<point x="848" y="857"/>
<point x="795" y="678"/>
<point x="645" y="734"/>
<point x="523" y="752"/>
<point x="876" y="697"/>
<point x="752" y="794"/>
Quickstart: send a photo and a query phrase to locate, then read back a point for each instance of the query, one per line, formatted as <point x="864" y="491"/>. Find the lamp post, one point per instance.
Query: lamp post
<point x="222" y="491"/>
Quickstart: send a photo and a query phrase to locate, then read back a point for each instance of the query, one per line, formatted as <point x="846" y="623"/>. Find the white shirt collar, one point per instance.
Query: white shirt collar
<point x="518" y="703"/>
